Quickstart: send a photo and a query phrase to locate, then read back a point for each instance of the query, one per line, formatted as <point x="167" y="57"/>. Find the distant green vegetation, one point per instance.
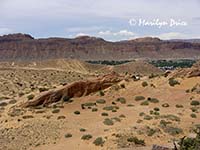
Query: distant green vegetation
<point x="172" y="64"/>
<point x="109" y="62"/>
<point x="165" y="64"/>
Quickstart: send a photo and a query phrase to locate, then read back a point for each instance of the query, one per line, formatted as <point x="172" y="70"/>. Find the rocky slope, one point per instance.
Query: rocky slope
<point x="25" y="47"/>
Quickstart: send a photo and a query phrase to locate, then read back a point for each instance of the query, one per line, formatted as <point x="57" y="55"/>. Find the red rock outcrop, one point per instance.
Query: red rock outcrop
<point x="76" y="89"/>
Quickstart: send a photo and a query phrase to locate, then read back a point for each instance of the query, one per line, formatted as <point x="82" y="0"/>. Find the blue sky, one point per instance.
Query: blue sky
<point x="108" y="19"/>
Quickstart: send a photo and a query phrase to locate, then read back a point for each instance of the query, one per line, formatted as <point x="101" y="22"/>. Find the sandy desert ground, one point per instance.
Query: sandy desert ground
<point x="130" y="114"/>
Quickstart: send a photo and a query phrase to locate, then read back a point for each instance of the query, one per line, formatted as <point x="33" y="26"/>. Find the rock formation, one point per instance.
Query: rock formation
<point x="25" y="47"/>
<point x="76" y="89"/>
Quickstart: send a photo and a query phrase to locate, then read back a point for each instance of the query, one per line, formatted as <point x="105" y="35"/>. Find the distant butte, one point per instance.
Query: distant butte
<point x="25" y="47"/>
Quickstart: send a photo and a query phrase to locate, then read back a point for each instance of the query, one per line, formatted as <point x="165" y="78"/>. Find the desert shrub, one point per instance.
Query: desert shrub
<point x="153" y="100"/>
<point x="77" y="112"/>
<point x="145" y="103"/>
<point x="68" y="135"/>
<point x="61" y="117"/>
<point x="122" y="86"/>
<point x="66" y="98"/>
<point x="116" y="119"/>
<point x="104" y="114"/>
<point x="165" y="105"/>
<point x="101" y="93"/>
<point x="100" y="101"/>
<point x="156" y="109"/>
<point x="139" y="121"/>
<point x="40" y="111"/>
<point x="141" y="114"/>
<point x="156" y="113"/>
<point x="173" y="130"/>
<point x="179" y="106"/>
<point x="43" y="89"/>
<point x="113" y="103"/>
<point x="190" y="143"/>
<point x="108" y="122"/>
<point x="151" y="132"/>
<point x="152" y="76"/>
<point x="114" y="110"/>
<point x="89" y="104"/>
<point x="151" y="112"/>
<point x="3" y="98"/>
<point x="144" y="84"/>
<point x="173" y="82"/>
<point x="152" y="85"/>
<point x="86" y="137"/>
<point x="147" y="117"/>
<point x="193" y="115"/>
<point x="94" y="109"/>
<point x="194" y="109"/>
<point x="187" y="91"/>
<point x="27" y="117"/>
<point x="139" y="98"/>
<point x="31" y="96"/>
<point x="12" y="101"/>
<point x="164" y="123"/>
<point x="130" y="105"/>
<point x="171" y="117"/>
<point x="55" y="111"/>
<point x="122" y="116"/>
<point x="136" y="141"/>
<point x="98" y="141"/>
<point x="20" y="94"/>
<point x="122" y="100"/>
<point x="3" y="104"/>
<point x="82" y="130"/>
<point x="110" y="108"/>
<point x="195" y="103"/>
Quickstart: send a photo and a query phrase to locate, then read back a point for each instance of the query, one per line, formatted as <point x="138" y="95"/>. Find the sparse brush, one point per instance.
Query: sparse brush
<point x="165" y="105"/>
<point x="104" y="114"/>
<point x="147" y="117"/>
<point x="139" y="98"/>
<point x="108" y="122"/>
<point x="173" y="82"/>
<point x="99" y="141"/>
<point x="144" y="84"/>
<point x="122" y="100"/>
<point x="193" y="115"/>
<point x="68" y="135"/>
<point x="94" y="109"/>
<point x="195" y="103"/>
<point x="179" y="106"/>
<point x="77" y="113"/>
<point x="153" y="100"/>
<point x="145" y="103"/>
<point x="55" y="111"/>
<point x="31" y="96"/>
<point x="101" y="93"/>
<point x="100" y="101"/>
<point x="86" y="137"/>
<point x="136" y="141"/>
<point x="82" y="130"/>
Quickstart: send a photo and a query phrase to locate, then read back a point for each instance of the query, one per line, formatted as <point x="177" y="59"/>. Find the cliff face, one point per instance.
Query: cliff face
<point x="25" y="47"/>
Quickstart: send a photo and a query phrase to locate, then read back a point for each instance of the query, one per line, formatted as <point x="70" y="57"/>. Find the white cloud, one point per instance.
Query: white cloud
<point x="102" y="33"/>
<point x="172" y="35"/>
<point x="5" y="31"/>
<point x="124" y="33"/>
<point x="119" y="33"/>
<point x="81" y="34"/>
